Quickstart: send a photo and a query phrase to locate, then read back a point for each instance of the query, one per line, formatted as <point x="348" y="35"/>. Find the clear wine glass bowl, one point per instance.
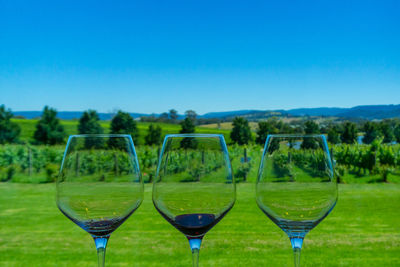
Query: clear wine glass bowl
<point x="99" y="185"/>
<point x="194" y="188"/>
<point x="296" y="187"/>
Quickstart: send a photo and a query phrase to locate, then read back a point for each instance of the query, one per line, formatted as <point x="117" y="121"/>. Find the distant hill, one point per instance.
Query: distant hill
<point x="225" y="114"/>
<point x="372" y="112"/>
<point x="359" y="112"/>
<point x="316" y="111"/>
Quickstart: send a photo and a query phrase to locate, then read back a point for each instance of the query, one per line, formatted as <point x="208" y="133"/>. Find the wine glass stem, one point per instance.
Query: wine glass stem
<point x="195" y="255"/>
<point x="101" y="244"/>
<point x="195" y="244"/>
<point x="297" y="243"/>
<point x="296" y="252"/>
<point x="101" y="255"/>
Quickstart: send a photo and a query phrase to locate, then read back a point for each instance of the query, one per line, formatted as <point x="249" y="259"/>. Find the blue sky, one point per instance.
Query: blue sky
<point x="150" y="56"/>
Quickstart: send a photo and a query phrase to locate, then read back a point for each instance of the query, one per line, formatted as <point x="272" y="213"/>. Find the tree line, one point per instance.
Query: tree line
<point x="172" y="117"/>
<point x="50" y="131"/>
<point x="346" y="132"/>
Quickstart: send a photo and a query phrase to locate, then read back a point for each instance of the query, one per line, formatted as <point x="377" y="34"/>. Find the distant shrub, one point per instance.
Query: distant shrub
<point x="384" y="171"/>
<point x="9" y="172"/>
<point x="49" y="129"/>
<point x="123" y="123"/>
<point x="51" y="172"/>
<point x="9" y="131"/>
<point x="242" y="172"/>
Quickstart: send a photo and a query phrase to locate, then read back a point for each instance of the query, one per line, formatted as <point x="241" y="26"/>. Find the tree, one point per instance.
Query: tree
<point x="191" y="114"/>
<point x="173" y="114"/>
<point x="310" y="127"/>
<point x="163" y="116"/>
<point x="387" y="131"/>
<point x="349" y="135"/>
<point x="397" y="132"/>
<point x="240" y="133"/>
<point x="9" y="131"/>
<point x="264" y="129"/>
<point x="153" y="136"/>
<point x="333" y="135"/>
<point x="48" y="129"/>
<point x="123" y="123"/>
<point x="371" y="132"/>
<point x="282" y="127"/>
<point x="187" y="126"/>
<point x="89" y="124"/>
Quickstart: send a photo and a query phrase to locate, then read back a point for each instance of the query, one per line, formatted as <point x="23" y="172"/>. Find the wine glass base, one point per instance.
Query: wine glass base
<point x="195" y="243"/>
<point x="297" y="242"/>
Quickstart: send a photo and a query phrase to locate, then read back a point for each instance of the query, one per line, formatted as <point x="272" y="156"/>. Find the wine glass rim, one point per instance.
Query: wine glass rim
<point x="194" y="135"/>
<point x="296" y="135"/>
<point x="99" y="135"/>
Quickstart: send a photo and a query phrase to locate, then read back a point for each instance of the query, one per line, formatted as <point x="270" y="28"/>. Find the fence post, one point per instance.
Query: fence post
<point x="29" y="161"/>
<point x="245" y="161"/>
<point x="77" y="165"/>
<point x="116" y="167"/>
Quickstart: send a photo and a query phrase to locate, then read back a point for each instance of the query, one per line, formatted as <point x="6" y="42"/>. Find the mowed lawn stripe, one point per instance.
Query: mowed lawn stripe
<point x="363" y="230"/>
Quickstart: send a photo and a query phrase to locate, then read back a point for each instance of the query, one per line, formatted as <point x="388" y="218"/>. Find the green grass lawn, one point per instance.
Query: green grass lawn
<point x="363" y="230"/>
<point x="71" y="127"/>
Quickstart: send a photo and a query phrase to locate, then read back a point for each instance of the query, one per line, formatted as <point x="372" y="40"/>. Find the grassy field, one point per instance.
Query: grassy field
<point x="228" y="126"/>
<point x="254" y="125"/>
<point x="71" y="127"/>
<point x="363" y="230"/>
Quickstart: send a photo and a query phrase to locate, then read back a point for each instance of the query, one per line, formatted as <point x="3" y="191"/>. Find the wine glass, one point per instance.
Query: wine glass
<point x="194" y="189"/>
<point x="99" y="185"/>
<point x="296" y="187"/>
